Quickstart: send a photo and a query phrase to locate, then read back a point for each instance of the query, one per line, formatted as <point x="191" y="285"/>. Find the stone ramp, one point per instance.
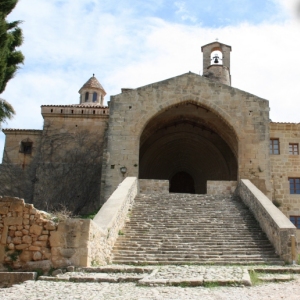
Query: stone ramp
<point x="195" y="229"/>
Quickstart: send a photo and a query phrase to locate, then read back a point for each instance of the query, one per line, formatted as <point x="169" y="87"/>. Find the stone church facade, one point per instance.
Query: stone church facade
<point x="188" y="129"/>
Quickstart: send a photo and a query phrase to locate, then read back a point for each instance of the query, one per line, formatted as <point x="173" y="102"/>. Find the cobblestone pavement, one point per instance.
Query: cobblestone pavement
<point x="34" y="290"/>
<point x="59" y="287"/>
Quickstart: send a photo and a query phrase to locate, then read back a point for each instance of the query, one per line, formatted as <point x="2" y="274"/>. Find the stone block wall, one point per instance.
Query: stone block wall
<point x="221" y="187"/>
<point x="241" y="119"/>
<point x="273" y="222"/>
<point x="77" y="242"/>
<point x="285" y="165"/>
<point x="150" y="186"/>
<point x="24" y="233"/>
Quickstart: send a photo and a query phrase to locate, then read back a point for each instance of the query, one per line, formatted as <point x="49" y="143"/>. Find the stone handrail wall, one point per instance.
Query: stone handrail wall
<point x="150" y="186"/>
<point x="89" y="242"/>
<point x="273" y="222"/>
<point x="221" y="187"/>
<point x="111" y="217"/>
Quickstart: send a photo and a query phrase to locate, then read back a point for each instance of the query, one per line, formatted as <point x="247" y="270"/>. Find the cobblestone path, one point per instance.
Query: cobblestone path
<point x="43" y="290"/>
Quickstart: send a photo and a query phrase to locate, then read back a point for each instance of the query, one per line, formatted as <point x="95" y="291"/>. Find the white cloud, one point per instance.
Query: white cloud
<point x="183" y="12"/>
<point x="64" y="46"/>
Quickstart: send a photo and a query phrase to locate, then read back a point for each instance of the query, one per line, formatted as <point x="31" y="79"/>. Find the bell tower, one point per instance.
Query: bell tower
<point x="92" y="92"/>
<point x="216" y="62"/>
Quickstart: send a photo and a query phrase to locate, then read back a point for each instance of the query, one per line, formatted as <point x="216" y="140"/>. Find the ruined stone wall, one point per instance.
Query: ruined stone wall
<point x="31" y="240"/>
<point x="221" y="187"/>
<point x="285" y="165"/>
<point x="24" y="234"/>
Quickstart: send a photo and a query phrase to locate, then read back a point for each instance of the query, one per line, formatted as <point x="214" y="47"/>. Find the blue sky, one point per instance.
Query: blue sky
<point x="130" y="43"/>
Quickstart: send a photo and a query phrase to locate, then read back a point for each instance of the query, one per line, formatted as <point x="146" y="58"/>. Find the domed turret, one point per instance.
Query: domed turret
<point x="92" y="92"/>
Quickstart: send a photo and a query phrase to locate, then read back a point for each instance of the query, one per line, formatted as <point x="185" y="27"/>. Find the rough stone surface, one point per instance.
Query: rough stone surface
<point x="8" y="279"/>
<point x="168" y="282"/>
<point x="148" y="186"/>
<point x="221" y="187"/>
<point x="199" y="229"/>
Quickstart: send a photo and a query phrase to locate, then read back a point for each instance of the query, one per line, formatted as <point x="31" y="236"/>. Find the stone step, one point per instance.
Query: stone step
<point x="206" y="260"/>
<point x="178" y="228"/>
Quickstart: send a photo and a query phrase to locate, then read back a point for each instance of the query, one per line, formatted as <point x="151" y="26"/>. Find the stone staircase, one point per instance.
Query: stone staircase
<point x="192" y="229"/>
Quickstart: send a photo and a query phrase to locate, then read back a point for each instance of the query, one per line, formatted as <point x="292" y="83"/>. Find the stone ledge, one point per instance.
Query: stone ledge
<point x="7" y="279"/>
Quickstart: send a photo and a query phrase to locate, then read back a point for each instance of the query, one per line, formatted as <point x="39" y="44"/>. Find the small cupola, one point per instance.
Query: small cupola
<point x="216" y="62"/>
<point x="92" y="92"/>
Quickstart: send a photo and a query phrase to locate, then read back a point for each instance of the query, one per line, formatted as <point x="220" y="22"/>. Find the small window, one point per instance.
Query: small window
<point x="293" y="149"/>
<point x="274" y="146"/>
<point x="86" y="96"/>
<point x="95" y="97"/>
<point x="294" y="185"/>
<point x="296" y="221"/>
<point x="26" y="146"/>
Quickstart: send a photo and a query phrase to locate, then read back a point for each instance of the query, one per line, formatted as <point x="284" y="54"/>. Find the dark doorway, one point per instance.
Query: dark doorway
<point x="182" y="182"/>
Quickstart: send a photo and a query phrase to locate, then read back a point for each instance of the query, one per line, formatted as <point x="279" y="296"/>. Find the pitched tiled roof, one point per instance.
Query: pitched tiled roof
<point x="93" y="83"/>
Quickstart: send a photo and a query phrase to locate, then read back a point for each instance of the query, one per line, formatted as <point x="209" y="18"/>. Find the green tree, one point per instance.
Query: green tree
<point x="6" y="111"/>
<point x="10" y="59"/>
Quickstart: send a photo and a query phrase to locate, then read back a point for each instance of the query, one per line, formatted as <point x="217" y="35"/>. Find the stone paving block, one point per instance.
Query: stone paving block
<point x="9" y="278"/>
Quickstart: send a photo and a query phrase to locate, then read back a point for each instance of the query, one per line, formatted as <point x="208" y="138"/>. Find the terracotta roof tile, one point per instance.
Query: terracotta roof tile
<point x="93" y="83"/>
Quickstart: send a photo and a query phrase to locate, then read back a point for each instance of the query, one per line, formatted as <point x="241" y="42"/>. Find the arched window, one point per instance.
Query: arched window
<point x="216" y="57"/>
<point x="86" y="96"/>
<point x="95" y="97"/>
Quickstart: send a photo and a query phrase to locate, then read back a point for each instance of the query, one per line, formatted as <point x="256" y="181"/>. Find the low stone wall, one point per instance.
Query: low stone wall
<point x="221" y="187"/>
<point x="24" y="234"/>
<point x="273" y="222"/>
<point x="150" y="186"/>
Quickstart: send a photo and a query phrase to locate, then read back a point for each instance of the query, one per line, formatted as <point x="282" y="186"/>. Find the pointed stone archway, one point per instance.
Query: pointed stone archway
<point x="188" y="145"/>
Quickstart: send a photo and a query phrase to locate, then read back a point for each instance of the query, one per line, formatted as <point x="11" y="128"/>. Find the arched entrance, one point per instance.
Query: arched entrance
<point x="182" y="182"/>
<point x="188" y="141"/>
